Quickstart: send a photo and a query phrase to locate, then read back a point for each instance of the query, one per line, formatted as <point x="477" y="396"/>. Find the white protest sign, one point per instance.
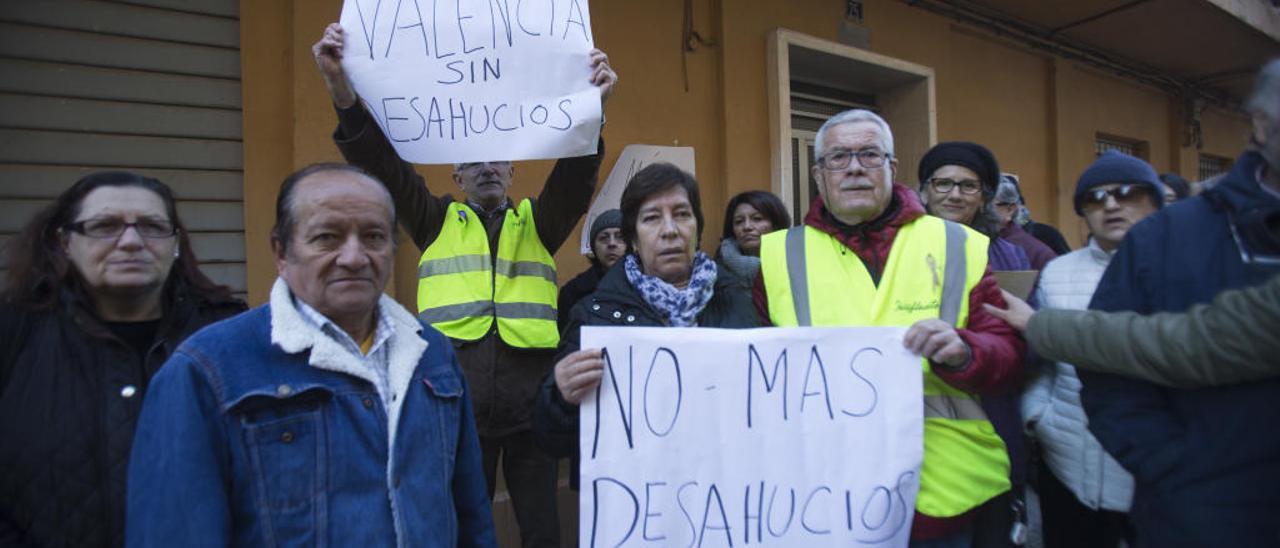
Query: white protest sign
<point x="632" y="159"/>
<point x="452" y="81"/>
<point x="779" y="437"/>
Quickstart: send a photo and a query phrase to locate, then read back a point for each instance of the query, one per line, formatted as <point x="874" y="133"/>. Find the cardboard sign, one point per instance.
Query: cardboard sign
<point x="632" y="159"/>
<point x="778" y="437"/>
<point x="1018" y="282"/>
<point x="475" y="80"/>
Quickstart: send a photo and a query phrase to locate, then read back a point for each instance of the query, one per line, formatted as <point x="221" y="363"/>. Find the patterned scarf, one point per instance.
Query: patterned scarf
<point x="680" y="306"/>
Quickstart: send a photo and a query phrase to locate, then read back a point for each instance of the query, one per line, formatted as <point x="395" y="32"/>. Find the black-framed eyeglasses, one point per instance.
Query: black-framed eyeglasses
<point x="839" y="159"/>
<point x="112" y="227"/>
<point x="945" y="186"/>
<point x="1123" y="194"/>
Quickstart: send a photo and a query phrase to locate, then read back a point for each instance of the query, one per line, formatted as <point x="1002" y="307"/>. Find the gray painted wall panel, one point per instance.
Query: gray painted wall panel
<point x="228" y="274"/>
<point x="17" y="213"/>
<point x="53" y="147"/>
<point x="42" y="181"/>
<point x="212" y="216"/>
<point x="86" y="48"/>
<point x="90" y="116"/>
<point x="150" y="86"/>
<point x="126" y="20"/>
<point x="48" y="78"/>
<point x="225" y="8"/>
<point x="218" y="246"/>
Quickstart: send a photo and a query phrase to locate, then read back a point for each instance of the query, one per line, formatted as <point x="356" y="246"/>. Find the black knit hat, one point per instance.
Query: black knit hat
<point x="962" y="153"/>
<point x="1117" y="167"/>
<point x="611" y="218"/>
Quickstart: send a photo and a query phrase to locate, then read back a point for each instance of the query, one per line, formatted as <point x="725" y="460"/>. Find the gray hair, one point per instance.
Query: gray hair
<point x="1266" y="91"/>
<point x="849" y="117"/>
<point x="1007" y="192"/>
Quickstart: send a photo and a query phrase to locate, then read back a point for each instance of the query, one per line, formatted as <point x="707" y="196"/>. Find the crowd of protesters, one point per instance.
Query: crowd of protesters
<point x="1121" y="401"/>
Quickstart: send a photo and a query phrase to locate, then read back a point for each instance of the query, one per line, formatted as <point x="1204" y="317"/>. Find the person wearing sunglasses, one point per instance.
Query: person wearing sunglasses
<point x="1085" y="494"/>
<point x="102" y="287"/>
<point x="1205" y="464"/>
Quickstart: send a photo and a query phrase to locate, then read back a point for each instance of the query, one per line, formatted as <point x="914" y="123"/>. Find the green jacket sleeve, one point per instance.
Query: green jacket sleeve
<point x="1231" y="341"/>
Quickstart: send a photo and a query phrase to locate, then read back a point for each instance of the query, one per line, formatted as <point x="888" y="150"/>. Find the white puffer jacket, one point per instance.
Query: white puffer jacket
<point x="1052" y="401"/>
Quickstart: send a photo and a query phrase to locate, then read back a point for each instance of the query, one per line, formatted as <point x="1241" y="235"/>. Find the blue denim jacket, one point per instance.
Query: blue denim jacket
<point x="243" y="443"/>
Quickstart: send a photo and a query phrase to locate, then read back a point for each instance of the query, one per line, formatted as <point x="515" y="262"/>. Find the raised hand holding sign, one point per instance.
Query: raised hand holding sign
<point x="475" y="80"/>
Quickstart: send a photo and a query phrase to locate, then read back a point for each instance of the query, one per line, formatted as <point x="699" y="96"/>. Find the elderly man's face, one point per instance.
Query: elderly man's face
<point x="339" y="256"/>
<point x="485" y="183"/>
<point x="853" y="193"/>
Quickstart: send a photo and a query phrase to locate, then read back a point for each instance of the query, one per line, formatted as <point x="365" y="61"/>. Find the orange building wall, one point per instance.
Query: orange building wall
<point x="1039" y="114"/>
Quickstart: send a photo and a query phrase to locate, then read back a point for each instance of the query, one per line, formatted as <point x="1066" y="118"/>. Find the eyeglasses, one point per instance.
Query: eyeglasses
<point x="1123" y="194"/>
<point x="113" y="227"/>
<point x="840" y="159"/>
<point x="476" y="165"/>
<point x="967" y="186"/>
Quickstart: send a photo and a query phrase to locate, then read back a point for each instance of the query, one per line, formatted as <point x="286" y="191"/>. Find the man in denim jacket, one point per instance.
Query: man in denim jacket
<point x="329" y="416"/>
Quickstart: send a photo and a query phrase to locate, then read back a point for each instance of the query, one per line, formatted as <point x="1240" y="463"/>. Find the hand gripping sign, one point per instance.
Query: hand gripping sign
<point x="452" y="81"/>
<point x="775" y="437"/>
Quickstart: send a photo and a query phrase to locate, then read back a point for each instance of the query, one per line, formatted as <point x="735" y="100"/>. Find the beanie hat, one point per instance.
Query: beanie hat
<point x="1117" y="167"/>
<point x="611" y="218"/>
<point x="1013" y="180"/>
<point x="962" y="153"/>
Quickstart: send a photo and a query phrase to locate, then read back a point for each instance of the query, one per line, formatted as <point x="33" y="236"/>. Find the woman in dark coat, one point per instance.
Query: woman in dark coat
<point x="102" y="287"/>
<point x="664" y="281"/>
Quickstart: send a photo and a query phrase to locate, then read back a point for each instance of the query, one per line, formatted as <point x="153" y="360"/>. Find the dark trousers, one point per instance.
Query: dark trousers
<point x="1069" y="524"/>
<point x="993" y="523"/>
<point x="531" y="483"/>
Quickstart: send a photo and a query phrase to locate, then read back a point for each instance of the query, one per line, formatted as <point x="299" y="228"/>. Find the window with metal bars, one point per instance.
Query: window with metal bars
<point x="1132" y="147"/>
<point x="1212" y="166"/>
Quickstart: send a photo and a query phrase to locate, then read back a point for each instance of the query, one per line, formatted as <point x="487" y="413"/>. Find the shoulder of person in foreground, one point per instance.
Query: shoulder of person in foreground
<point x="1229" y="341"/>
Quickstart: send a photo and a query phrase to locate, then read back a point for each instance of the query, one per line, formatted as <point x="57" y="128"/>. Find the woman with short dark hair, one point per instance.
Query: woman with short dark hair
<point x="102" y="286"/>
<point x="664" y="281"/>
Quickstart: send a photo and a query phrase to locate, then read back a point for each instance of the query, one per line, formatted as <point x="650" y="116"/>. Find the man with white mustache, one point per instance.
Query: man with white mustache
<point x="868" y="255"/>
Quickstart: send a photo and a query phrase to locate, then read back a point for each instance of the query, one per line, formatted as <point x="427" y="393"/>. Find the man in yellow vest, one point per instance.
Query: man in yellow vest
<point x="874" y="257"/>
<point x="486" y="279"/>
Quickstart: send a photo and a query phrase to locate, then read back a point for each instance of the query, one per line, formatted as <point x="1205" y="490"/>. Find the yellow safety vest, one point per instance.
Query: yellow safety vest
<point x="932" y="267"/>
<point x="461" y="293"/>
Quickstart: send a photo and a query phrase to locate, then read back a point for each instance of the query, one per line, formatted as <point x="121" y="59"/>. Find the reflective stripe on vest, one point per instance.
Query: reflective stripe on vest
<point x="462" y="291"/>
<point x="965" y="461"/>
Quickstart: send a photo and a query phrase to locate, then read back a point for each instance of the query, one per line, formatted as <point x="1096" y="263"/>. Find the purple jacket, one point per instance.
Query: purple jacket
<point x="1036" y="251"/>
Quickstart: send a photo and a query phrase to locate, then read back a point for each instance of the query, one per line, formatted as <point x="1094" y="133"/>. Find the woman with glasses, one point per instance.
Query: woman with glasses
<point x="959" y="182"/>
<point x="102" y="286"/>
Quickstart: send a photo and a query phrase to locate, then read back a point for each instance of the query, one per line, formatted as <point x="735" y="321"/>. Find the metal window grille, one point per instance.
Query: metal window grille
<point x="1104" y="144"/>
<point x="1212" y="166"/>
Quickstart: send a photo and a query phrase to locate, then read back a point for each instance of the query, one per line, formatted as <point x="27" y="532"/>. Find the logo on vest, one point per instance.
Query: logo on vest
<point x="933" y="269"/>
<point x="917" y="306"/>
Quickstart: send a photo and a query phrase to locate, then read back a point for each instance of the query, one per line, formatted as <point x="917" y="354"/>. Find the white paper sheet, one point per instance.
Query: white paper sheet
<point x="452" y="81"/>
<point x="777" y="437"/>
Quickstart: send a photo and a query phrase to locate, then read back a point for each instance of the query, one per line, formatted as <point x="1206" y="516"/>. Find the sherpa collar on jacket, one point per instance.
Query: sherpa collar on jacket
<point x="292" y="333"/>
